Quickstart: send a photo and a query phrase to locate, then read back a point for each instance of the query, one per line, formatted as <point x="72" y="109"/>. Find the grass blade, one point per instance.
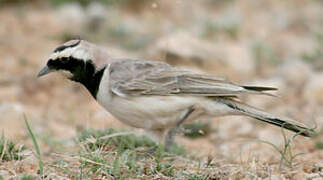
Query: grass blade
<point x="40" y="163"/>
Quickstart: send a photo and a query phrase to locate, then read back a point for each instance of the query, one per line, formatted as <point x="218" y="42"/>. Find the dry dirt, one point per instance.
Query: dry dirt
<point x="251" y="42"/>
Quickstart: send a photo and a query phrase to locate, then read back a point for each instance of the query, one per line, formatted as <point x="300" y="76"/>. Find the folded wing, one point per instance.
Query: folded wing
<point x="138" y="77"/>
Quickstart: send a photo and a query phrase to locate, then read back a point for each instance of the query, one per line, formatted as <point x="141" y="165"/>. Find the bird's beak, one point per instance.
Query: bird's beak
<point x="44" y="71"/>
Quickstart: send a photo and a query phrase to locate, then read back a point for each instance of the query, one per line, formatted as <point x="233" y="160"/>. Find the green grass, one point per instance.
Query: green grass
<point x="119" y="155"/>
<point x="9" y="150"/>
<point x="264" y="53"/>
<point x="10" y="2"/>
<point x="105" y="2"/>
<point x="316" y="54"/>
<point x="111" y="152"/>
<point x="286" y="153"/>
<point x="40" y="162"/>
<point x="28" y="177"/>
<point x="319" y="176"/>
<point x="225" y="25"/>
<point x="319" y="144"/>
<point x="114" y="154"/>
<point x="112" y="139"/>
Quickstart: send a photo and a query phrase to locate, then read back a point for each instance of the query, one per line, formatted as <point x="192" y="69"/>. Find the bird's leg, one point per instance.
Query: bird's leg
<point x="169" y="140"/>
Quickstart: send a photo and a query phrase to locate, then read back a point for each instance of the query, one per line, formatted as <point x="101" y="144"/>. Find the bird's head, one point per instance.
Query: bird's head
<point x="76" y="59"/>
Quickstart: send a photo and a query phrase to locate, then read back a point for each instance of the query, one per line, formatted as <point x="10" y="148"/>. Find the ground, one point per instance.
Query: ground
<point x="271" y="43"/>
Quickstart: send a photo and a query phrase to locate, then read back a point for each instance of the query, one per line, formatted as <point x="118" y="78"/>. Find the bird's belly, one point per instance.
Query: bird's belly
<point x="149" y="112"/>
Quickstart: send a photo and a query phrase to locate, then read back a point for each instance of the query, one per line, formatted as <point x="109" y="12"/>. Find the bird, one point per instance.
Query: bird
<point x="155" y="96"/>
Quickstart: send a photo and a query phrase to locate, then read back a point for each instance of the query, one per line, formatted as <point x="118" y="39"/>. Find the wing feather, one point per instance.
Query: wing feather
<point x="139" y="77"/>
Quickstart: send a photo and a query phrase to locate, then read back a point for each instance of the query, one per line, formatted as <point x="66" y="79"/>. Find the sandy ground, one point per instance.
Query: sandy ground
<point x="251" y="42"/>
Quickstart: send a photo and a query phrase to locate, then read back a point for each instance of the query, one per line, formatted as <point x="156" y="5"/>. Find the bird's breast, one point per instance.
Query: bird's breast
<point x="149" y="112"/>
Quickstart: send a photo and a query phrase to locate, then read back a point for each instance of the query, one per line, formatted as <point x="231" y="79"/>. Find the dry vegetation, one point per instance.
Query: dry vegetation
<point x="274" y="43"/>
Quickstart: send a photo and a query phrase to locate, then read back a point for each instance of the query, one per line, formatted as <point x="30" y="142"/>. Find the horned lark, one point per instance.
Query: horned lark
<point x="154" y="95"/>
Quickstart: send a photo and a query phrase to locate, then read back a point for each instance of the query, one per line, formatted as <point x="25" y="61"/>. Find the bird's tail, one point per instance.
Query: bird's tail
<point x="286" y="123"/>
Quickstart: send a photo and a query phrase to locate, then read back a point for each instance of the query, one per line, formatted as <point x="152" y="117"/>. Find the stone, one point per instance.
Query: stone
<point x="239" y="59"/>
<point x="295" y="73"/>
<point x="183" y="49"/>
<point x="73" y="16"/>
<point x="314" y="88"/>
<point x="96" y="16"/>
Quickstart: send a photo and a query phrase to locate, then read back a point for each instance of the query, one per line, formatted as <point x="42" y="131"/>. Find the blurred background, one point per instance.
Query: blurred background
<point x="254" y="42"/>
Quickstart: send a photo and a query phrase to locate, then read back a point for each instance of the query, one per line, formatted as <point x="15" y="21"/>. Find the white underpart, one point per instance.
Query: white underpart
<point x="154" y="112"/>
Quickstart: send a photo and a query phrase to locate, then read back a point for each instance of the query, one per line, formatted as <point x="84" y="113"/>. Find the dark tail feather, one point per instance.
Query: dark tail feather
<point x="259" y="88"/>
<point x="271" y="119"/>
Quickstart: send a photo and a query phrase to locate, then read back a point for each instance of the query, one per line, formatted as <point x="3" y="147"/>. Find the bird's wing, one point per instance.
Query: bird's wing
<point x="138" y="77"/>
